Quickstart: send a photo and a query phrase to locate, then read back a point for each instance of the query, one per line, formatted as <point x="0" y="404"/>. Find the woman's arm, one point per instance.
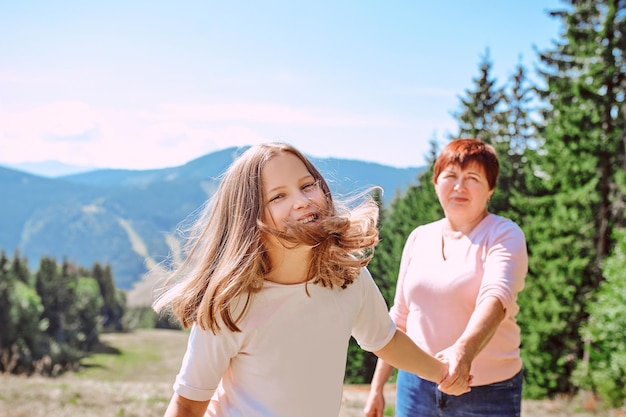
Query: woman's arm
<point x="183" y="407"/>
<point x="481" y="327"/>
<point x="375" y="404"/>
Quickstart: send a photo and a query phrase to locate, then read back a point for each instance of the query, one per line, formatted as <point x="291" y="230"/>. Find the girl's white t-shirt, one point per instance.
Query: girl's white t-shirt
<point x="289" y="359"/>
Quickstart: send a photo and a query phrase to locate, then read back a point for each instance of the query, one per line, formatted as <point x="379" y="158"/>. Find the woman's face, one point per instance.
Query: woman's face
<point x="463" y="192"/>
<point x="290" y="192"/>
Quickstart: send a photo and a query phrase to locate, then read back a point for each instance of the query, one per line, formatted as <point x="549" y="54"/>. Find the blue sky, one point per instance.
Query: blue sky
<point x="150" y="84"/>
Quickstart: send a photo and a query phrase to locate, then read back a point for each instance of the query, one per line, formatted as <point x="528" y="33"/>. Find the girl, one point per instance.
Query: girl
<point x="273" y="286"/>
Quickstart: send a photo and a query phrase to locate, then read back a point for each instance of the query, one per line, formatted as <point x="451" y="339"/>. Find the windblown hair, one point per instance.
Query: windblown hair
<point x="226" y="259"/>
<point x="464" y="152"/>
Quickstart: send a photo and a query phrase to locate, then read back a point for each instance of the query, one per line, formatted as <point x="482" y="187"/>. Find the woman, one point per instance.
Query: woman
<point x="456" y="296"/>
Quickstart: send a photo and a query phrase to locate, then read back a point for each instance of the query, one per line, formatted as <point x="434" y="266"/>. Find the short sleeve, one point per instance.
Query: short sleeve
<point x="373" y="328"/>
<point x="205" y="361"/>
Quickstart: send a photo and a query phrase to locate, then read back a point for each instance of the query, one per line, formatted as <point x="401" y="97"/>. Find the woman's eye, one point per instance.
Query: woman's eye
<point x="276" y="198"/>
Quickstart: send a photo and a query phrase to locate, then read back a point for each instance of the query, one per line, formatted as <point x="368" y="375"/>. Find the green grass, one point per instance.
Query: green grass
<point x="131" y="375"/>
<point x="142" y="356"/>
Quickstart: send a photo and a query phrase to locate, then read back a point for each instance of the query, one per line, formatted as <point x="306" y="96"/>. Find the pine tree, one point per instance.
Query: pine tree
<point x="20" y="270"/>
<point x="518" y="144"/>
<point x="576" y="199"/>
<point x="20" y="308"/>
<point x="56" y="287"/>
<point x="603" y="368"/>
<point x="46" y="283"/>
<point x="113" y="306"/>
<point x="481" y="116"/>
<point x="8" y="332"/>
<point x="88" y="305"/>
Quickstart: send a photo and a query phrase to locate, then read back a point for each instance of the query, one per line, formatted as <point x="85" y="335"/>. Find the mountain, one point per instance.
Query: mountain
<point x="129" y="218"/>
<point x="50" y="169"/>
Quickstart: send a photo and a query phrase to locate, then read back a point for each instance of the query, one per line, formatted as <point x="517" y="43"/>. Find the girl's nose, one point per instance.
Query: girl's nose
<point x="301" y="201"/>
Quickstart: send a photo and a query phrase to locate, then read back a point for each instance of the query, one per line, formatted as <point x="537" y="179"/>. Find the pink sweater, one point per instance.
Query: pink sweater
<point x="435" y="297"/>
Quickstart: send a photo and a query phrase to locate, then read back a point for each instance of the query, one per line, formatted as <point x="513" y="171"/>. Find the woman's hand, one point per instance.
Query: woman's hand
<point x="375" y="404"/>
<point x="481" y="327"/>
<point x="458" y="380"/>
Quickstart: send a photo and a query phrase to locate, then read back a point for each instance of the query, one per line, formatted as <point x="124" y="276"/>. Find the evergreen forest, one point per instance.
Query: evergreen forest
<point x="560" y="132"/>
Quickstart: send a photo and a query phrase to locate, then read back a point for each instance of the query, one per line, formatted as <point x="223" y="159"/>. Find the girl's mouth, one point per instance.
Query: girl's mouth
<point x="308" y="219"/>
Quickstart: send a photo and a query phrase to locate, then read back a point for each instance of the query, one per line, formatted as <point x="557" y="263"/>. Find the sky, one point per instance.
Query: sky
<point x="153" y="84"/>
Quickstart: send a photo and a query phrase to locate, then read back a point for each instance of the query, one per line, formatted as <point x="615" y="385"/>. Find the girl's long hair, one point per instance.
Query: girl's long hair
<point x="225" y="254"/>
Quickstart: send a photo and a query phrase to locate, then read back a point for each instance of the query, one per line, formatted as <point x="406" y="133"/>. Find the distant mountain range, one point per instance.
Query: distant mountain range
<point x="128" y="218"/>
<point x="51" y="169"/>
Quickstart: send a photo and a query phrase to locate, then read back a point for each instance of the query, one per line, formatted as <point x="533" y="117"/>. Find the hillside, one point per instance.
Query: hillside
<point x="128" y="218"/>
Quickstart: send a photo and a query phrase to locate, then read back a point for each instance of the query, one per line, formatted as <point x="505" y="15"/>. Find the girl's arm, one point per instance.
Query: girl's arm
<point x="183" y="407"/>
<point x="401" y="352"/>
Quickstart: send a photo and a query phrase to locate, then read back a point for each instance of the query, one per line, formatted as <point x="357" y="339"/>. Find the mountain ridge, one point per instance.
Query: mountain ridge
<point x="129" y="218"/>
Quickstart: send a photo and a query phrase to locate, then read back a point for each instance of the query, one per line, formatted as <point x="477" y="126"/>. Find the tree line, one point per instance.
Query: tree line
<point x="53" y="318"/>
<point x="50" y="319"/>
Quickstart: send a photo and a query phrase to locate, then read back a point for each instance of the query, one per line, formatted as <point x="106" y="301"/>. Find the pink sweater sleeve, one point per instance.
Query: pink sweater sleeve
<point x="400" y="309"/>
<point x="505" y="266"/>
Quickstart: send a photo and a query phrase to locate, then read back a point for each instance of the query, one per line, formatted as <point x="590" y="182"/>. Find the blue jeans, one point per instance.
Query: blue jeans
<point x="417" y="397"/>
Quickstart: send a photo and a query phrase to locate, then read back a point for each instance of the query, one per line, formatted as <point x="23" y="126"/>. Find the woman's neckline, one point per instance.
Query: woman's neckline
<point x="449" y="232"/>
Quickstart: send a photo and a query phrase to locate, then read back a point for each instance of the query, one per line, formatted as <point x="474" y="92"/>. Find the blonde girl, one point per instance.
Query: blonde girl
<point x="273" y="285"/>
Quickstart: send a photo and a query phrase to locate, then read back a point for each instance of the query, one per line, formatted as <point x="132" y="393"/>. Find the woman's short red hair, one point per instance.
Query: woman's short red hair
<point x="463" y="152"/>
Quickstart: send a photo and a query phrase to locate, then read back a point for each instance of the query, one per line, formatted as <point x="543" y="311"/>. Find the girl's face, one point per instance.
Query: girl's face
<point x="463" y="192"/>
<point x="290" y="193"/>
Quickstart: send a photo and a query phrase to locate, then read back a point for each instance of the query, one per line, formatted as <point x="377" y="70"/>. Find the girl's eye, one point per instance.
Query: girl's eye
<point x="310" y="186"/>
<point x="276" y="198"/>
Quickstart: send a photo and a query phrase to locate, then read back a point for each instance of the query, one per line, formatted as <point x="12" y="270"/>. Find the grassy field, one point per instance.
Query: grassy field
<point x="132" y="375"/>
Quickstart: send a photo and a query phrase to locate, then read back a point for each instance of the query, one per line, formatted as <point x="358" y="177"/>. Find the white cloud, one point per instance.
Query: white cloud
<point x="56" y="120"/>
<point x="77" y="133"/>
